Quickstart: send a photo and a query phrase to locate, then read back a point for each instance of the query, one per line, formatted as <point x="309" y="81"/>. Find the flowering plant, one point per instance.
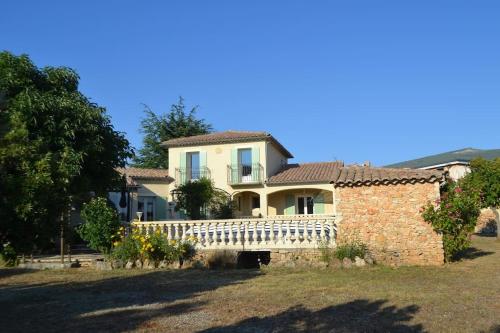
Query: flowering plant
<point x="454" y="216"/>
<point x="154" y="247"/>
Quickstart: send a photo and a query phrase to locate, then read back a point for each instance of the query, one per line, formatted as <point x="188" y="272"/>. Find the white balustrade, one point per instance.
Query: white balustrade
<point x="273" y="232"/>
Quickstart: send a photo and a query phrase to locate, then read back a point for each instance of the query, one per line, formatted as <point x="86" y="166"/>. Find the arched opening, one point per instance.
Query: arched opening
<point x="247" y="204"/>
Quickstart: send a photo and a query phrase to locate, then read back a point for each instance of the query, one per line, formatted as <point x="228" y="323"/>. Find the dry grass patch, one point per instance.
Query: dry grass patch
<point x="459" y="297"/>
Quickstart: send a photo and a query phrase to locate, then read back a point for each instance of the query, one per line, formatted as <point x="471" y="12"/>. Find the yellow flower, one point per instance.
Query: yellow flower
<point x="116" y="244"/>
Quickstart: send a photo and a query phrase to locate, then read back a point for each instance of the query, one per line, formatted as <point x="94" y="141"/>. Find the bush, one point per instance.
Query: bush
<point x="351" y="250"/>
<point x="454" y="216"/>
<point x="101" y="224"/>
<point x="155" y="247"/>
<point x="222" y="259"/>
<point x="8" y="255"/>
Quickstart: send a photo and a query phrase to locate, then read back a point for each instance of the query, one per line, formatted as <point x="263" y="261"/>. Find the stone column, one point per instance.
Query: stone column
<point x="263" y="203"/>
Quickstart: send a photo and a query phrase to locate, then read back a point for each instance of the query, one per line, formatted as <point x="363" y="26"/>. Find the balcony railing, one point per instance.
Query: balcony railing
<point x="183" y="175"/>
<point x="245" y="174"/>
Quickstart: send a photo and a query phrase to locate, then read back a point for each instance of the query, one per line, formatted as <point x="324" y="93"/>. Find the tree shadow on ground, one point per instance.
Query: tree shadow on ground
<point x="355" y="316"/>
<point x="7" y="272"/>
<point x="472" y="253"/>
<point x="112" y="305"/>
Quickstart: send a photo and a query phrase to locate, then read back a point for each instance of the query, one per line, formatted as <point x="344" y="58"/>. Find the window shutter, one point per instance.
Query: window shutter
<point x="234" y="165"/>
<point x="255" y="155"/>
<point x="183" y="168"/>
<point x="290" y="205"/>
<point x="319" y="204"/>
<point x="203" y="163"/>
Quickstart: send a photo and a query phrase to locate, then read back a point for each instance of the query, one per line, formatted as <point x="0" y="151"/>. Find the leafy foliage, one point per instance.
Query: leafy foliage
<point x="8" y="256"/>
<point x="454" y="216"/>
<point x="196" y="198"/>
<point x="351" y="250"/>
<point x="156" y="128"/>
<point x="101" y="224"/>
<point x="55" y="147"/>
<point x="155" y="247"/>
<point x="485" y="178"/>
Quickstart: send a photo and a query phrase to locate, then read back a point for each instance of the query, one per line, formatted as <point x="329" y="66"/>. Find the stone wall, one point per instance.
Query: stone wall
<point x="387" y="219"/>
<point x="487" y="221"/>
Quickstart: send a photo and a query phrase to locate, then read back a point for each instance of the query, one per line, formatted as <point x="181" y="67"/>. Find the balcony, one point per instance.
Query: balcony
<point x="245" y="174"/>
<point x="184" y="175"/>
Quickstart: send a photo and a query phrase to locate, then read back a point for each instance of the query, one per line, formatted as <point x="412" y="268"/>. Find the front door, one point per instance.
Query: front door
<point x="305" y="205"/>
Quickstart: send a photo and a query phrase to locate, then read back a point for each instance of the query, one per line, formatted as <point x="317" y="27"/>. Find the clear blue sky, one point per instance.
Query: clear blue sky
<point x="383" y="81"/>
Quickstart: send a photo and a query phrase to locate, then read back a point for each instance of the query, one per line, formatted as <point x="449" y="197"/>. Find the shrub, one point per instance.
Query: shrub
<point x="155" y="247"/>
<point x="454" y="216"/>
<point x="222" y="259"/>
<point x="101" y="224"/>
<point x="351" y="250"/>
<point x="8" y="255"/>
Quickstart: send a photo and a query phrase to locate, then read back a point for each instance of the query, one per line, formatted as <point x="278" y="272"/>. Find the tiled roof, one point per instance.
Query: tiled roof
<point x="132" y="174"/>
<point x="463" y="155"/>
<point x="226" y="137"/>
<point x="322" y="172"/>
<point x="339" y="175"/>
<point x="363" y="175"/>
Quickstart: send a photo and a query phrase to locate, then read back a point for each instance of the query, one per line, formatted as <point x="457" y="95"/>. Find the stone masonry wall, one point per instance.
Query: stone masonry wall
<point x="387" y="219"/>
<point x="487" y="221"/>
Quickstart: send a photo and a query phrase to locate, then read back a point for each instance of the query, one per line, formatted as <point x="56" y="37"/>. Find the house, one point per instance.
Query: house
<point x="291" y="205"/>
<point x="455" y="163"/>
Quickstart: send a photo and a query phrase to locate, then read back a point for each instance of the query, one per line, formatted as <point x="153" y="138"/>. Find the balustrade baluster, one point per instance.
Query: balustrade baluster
<point x="331" y="232"/>
<point x="176" y="230"/>
<point x="297" y="230"/>
<point x="288" y="232"/>
<point x="322" y="233"/>
<point x="246" y="235"/>
<point x="315" y="232"/>
<point x="271" y="232"/>
<point x="216" y="234"/>
<point x="305" y="232"/>
<point x="183" y="236"/>
<point x="280" y="232"/>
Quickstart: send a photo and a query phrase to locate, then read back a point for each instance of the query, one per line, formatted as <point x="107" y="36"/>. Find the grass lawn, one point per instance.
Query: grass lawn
<point x="459" y="297"/>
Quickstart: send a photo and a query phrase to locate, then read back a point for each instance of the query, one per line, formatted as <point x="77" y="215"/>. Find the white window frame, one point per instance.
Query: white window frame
<point x="305" y="196"/>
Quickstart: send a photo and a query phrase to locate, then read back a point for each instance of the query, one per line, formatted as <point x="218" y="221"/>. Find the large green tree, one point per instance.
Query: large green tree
<point x="157" y="128"/>
<point x="55" y="147"/>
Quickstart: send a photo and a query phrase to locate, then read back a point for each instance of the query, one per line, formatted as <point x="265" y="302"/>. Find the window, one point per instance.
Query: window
<point x="146" y="205"/>
<point x="193" y="165"/>
<point x="305" y="205"/>
<point x="245" y="163"/>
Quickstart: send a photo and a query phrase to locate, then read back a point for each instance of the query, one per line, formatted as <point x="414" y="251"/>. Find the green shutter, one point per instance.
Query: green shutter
<point x="255" y="155"/>
<point x="255" y="162"/>
<point x="203" y="163"/>
<point x="319" y="204"/>
<point x="161" y="209"/>
<point x="290" y="205"/>
<point x="182" y="168"/>
<point x="234" y="165"/>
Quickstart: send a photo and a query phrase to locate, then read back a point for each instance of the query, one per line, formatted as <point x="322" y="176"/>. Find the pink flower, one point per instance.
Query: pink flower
<point x="458" y="190"/>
